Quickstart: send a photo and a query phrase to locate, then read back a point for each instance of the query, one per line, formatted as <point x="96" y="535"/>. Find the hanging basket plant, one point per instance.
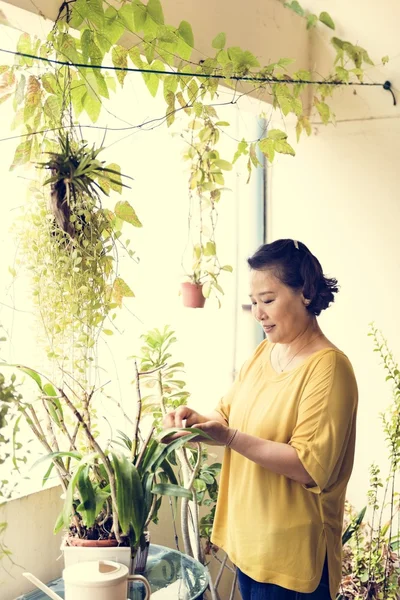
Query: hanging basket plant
<point x="206" y="184"/>
<point x="77" y="181"/>
<point x="71" y="243"/>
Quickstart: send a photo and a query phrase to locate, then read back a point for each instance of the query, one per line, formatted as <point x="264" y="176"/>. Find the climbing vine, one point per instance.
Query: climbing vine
<point x="54" y="81"/>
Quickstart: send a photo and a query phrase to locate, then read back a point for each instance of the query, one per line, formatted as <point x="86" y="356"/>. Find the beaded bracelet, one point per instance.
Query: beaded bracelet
<point x="232" y="437"/>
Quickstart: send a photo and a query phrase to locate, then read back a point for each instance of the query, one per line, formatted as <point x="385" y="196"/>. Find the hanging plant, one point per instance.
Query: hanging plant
<point x="206" y="184"/>
<point x="70" y="243"/>
<point x="77" y="177"/>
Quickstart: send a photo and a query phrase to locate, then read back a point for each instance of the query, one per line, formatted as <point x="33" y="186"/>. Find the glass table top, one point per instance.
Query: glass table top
<point x="171" y="574"/>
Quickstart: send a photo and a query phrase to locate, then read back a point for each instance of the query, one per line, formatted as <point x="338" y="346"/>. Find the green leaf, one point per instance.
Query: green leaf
<point x="170" y="112"/>
<point x="283" y="147"/>
<point x="155" y="11"/>
<point x="24" y="46"/>
<point x="219" y="41"/>
<point x="53" y="455"/>
<point x="79" y="11"/>
<point x="324" y="111"/>
<point x="186" y="33"/>
<point x="342" y="73"/>
<point x="78" y="92"/>
<point x="312" y="20"/>
<point x="385" y="60"/>
<point x="49" y="83"/>
<point x="119" y="57"/>
<point x="67" y="48"/>
<point x="121" y="290"/>
<point x="210" y="249"/>
<point x="277" y="134"/>
<point x="86" y="40"/>
<point x="284" y="62"/>
<point x="295" y="7"/>
<point x="22" y="153"/>
<point x="170" y="489"/>
<point x="267" y="147"/>
<point x="227" y="268"/>
<point x="113" y="27"/>
<point x="129" y="495"/>
<point x="87" y="508"/>
<point x="59" y="524"/>
<point x="242" y="149"/>
<point x="69" y="496"/>
<point x="126" y="212"/>
<point x="152" y="80"/>
<point x="92" y="106"/>
<point x="52" y="108"/>
<point x="95" y="13"/>
<point x="19" y="91"/>
<point x="223" y="164"/>
<point x="126" y="16"/>
<point x="326" y="19"/>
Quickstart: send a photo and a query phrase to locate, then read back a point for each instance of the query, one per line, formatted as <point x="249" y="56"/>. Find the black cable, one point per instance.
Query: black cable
<point x="202" y="75"/>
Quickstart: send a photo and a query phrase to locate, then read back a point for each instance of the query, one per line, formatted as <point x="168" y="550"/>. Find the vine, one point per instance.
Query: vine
<point x="88" y="32"/>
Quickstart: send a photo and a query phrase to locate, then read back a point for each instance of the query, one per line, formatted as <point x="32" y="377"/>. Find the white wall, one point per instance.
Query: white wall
<point x="339" y="196"/>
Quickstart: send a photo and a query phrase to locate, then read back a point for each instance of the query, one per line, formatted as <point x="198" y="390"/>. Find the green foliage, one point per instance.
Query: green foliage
<point x="206" y="184"/>
<point x="371" y="563"/>
<point x="11" y="451"/>
<point x="107" y="492"/>
<point x="57" y="95"/>
<point x="70" y="245"/>
<point x="167" y="393"/>
<point x="167" y="389"/>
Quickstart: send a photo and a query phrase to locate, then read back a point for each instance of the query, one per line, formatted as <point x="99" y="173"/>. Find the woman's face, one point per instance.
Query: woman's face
<point x="279" y="309"/>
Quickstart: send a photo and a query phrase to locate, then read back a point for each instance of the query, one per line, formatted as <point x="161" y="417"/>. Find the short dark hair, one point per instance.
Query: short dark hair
<point x="294" y="264"/>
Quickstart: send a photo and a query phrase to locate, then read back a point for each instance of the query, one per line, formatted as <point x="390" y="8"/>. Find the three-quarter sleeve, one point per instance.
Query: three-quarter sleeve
<point x="324" y="425"/>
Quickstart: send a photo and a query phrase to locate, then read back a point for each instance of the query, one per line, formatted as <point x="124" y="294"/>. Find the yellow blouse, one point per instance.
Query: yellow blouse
<point x="274" y="529"/>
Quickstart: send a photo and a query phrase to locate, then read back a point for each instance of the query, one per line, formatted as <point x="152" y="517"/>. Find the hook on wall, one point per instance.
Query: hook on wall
<point x="388" y="86"/>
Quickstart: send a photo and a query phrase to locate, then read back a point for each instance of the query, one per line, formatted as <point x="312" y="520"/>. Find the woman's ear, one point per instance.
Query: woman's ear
<point x="306" y="301"/>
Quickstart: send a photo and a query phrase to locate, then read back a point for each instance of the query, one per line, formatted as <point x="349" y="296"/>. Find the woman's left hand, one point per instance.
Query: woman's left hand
<point x="219" y="433"/>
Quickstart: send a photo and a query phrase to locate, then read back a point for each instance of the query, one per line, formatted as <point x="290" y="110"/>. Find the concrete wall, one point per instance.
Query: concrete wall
<point x="29" y="536"/>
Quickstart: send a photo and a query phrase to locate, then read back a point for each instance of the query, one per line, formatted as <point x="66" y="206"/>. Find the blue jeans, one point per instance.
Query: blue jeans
<point x="253" y="590"/>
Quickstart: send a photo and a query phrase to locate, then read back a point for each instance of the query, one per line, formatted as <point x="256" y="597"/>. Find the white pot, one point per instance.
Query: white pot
<point x="78" y="554"/>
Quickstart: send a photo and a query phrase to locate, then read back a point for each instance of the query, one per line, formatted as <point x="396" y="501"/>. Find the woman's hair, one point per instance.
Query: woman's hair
<point x="296" y="267"/>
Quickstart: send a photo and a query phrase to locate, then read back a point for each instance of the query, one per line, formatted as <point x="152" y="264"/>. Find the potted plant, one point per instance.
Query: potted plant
<point x="110" y="496"/>
<point x="371" y="560"/>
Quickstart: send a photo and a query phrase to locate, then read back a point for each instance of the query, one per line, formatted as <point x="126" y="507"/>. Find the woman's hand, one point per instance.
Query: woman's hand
<point x="184" y="417"/>
<point x="219" y="433"/>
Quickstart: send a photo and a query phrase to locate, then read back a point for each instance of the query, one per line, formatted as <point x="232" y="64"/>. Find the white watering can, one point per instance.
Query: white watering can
<point x="94" y="580"/>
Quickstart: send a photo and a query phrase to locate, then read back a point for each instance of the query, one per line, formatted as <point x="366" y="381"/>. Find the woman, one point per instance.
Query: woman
<point x="288" y="424"/>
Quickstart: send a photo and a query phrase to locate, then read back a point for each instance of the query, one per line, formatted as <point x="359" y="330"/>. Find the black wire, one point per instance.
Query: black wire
<point x="203" y="75"/>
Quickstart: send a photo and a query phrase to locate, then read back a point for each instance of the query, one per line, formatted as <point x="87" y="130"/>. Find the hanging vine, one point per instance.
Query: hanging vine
<point x="88" y="32"/>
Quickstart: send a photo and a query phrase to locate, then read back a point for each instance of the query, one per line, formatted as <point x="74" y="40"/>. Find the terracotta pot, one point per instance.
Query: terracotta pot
<point x="192" y="295"/>
<point x="74" y="541"/>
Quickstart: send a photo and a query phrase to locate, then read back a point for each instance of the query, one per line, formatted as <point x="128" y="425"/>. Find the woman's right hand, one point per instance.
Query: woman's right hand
<point x="183" y="416"/>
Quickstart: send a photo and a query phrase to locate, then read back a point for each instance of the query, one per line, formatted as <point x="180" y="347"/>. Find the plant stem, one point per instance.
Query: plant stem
<point x="138" y="415"/>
